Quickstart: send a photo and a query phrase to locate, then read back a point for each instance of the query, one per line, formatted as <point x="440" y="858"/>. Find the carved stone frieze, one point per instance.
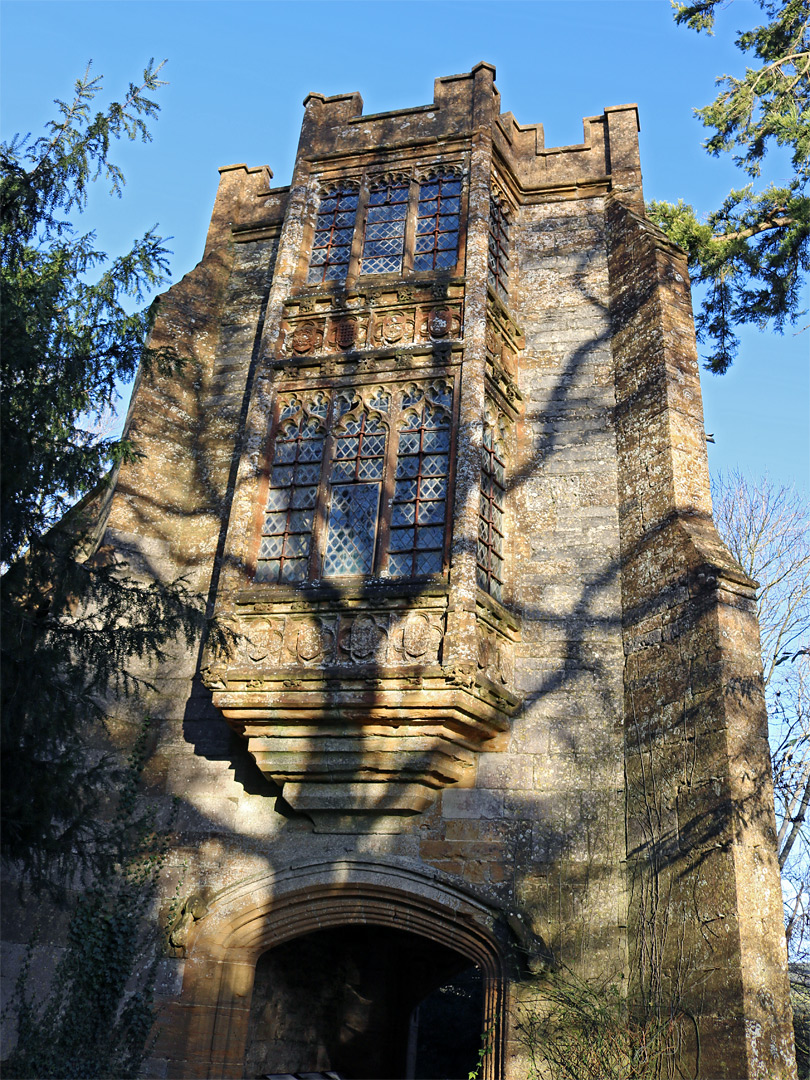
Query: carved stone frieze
<point x="380" y="638"/>
<point x="401" y="320"/>
<point x="347" y="332"/>
<point x="392" y="328"/>
<point x="306" y="338"/>
<point x="495" y="656"/>
<point x="346" y="704"/>
<point x="309" y="641"/>
<point x="440" y="323"/>
<point x="417" y="637"/>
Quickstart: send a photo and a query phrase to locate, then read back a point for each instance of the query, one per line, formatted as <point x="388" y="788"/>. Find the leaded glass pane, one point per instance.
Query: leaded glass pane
<point x="400" y="565"/>
<point x="294" y="570"/>
<point x="384" y="239"/>
<point x="267" y="571"/>
<point x="407" y="466"/>
<point x="437" y="224"/>
<point x="402" y="539"/>
<point x="428" y="562"/>
<point x="282" y="475"/>
<point x="352" y="529"/>
<point x="403" y="514"/>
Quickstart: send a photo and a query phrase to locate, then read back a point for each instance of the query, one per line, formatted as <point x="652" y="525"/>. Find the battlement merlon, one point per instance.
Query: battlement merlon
<point x="335" y="127"/>
<point x="244" y="196"/>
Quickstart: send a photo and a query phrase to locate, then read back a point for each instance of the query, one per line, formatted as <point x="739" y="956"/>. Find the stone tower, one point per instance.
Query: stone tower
<point x="493" y="710"/>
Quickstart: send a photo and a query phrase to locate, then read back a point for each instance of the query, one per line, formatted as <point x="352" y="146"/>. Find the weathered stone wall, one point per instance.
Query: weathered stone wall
<point x="705" y="905"/>
<point x="626" y="636"/>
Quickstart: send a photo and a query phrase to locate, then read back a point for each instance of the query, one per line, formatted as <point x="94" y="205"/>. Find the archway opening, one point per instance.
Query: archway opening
<point x="362" y="1002"/>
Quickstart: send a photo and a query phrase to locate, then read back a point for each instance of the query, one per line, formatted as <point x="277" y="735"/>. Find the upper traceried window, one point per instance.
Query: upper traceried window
<point x="358" y="484"/>
<point x="437" y="222"/>
<point x="490" y="558"/>
<point x="334" y="228"/>
<point x="387" y="225"/>
<point x="498" y="262"/>
<point x="384" y="239"/>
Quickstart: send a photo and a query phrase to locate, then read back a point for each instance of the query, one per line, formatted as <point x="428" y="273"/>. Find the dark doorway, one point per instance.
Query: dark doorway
<point x="367" y="1003"/>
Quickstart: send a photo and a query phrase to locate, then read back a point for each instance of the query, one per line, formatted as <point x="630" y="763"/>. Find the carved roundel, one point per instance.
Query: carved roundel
<point x="311" y="642"/>
<point x="393" y="328"/>
<point x="440" y="323"/>
<point x="365" y="638"/>
<point x="306" y="338"/>
<point x="416" y="636"/>
<point x="346" y="333"/>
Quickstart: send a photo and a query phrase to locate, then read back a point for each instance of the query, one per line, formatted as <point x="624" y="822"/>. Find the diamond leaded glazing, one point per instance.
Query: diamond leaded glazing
<point x="333" y="518"/>
<point x="437" y="223"/>
<point x="419" y="508"/>
<point x="293" y="490"/>
<point x="331" y="246"/>
<point x="384" y="240"/>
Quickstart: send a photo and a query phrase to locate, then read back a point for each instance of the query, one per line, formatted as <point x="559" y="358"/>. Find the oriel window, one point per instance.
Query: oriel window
<point x="358" y="484"/>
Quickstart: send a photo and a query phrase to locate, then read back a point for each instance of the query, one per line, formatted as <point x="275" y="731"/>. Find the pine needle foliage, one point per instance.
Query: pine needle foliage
<point x="77" y="623"/>
<point x="68" y="334"/>
<point x="751" y="255"/>
<point x="98" y="1015"/>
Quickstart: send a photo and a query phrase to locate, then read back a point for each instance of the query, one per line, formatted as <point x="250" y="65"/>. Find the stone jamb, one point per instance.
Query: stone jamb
<point x="210" y="1020"/>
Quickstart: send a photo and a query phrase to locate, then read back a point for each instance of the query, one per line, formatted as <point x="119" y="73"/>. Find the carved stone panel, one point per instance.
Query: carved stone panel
<point x="440" y="323"/>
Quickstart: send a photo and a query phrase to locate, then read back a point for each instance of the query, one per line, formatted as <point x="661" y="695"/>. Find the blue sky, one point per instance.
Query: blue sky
<point x="238" y="72"/>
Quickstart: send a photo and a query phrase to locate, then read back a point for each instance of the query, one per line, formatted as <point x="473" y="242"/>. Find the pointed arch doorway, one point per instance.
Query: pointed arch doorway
<point x="323" y="964"/>
<point x="367" y="1002"/>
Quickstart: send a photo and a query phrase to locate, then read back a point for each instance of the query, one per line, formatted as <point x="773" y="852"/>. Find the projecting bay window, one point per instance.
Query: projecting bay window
<point x="358" y="484"/>
<point x="387" y="225"/>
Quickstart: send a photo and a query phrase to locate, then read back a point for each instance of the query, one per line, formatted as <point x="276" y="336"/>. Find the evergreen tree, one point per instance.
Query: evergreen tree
<point x="96" y="1019"/>
<point x="753" y="252"/>
<point x="73" y="617"/>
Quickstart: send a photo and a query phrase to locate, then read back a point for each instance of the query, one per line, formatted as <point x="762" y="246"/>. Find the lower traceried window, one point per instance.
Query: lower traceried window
<point x="358" y="484"/>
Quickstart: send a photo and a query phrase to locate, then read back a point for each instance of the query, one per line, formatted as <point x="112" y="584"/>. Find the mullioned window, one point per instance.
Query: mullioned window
<point x="358" y="484"/>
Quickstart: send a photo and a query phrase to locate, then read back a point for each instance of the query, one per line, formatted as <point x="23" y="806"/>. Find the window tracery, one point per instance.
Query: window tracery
<point x="368" y="499"/>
